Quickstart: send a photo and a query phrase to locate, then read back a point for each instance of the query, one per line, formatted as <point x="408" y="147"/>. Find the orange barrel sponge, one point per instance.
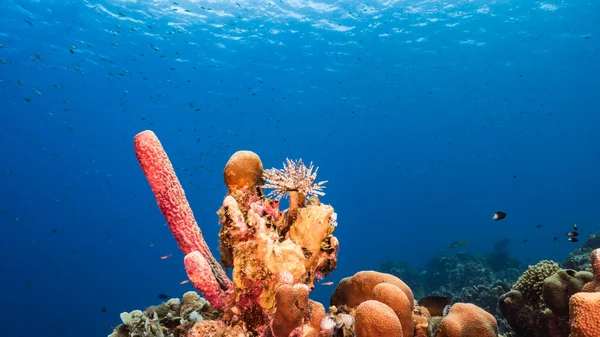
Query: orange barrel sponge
<point x="468" y="320"/>
<point x="584" y="313"/>
<point x="375" y="319"/>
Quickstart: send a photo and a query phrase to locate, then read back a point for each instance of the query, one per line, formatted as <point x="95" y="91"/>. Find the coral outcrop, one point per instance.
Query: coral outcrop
<point x="276" y="256"/>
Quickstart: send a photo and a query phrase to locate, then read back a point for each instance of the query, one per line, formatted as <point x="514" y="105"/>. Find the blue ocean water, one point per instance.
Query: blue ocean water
<point x="425" y="117"/>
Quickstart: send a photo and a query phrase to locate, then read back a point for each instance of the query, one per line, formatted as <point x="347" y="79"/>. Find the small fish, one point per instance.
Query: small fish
<point x="572" y="239"/>
<point x="435" y="304"/>
<point x="538" y="226"/>
<point x="165" y="257"/>
<point x="103" y="310"/>
<point x="574" y="226"/>
<point x="555" y="238"/>
<point x="459" y="243"/>
<point x="162" y="296"/>
<point x="572" y="234"/>
<point x="446" y="310"/>
<point x="524" y="241"/>
<point x="327" y="283"/>
<point x="499" y="216"/>
<point x="184" y="282"/>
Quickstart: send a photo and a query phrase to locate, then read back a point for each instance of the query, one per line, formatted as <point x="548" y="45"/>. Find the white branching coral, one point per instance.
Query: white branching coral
<point x="294" y="176"/>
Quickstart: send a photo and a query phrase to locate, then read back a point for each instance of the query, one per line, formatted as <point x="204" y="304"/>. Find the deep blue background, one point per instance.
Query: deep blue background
<point x="425" y="117"/>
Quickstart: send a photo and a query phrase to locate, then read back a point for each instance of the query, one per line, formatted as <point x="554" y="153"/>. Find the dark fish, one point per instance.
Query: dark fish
<point x="524" y="241"/>
<point x="54" y="231"/>
<point x="162" y="296"/>
<point x="573" y="239"/>
<point x="572" y="234"/>
<point x="103" y="309"/>
<point x="574" y="226"/>
<point x="435" y="304"/>
<point x="538" y="226"/>
<point x="555" y="238"/>
<point x="499" y="216"/>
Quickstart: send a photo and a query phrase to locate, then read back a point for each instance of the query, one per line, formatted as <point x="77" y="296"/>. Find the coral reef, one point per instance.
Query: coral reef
<point x="455" y="272"/>
<point x="465" y="277"/>
<point x="276" y="257"/>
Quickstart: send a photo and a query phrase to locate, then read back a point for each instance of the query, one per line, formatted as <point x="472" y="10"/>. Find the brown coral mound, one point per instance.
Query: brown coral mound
<point x="585" y="314"/>
<point x="560" y="286"/>
<point x="375" y="319"/>
<point x="468" y="320"/>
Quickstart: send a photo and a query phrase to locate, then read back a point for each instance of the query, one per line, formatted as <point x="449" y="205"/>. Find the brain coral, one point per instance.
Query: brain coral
<point x="468" y="320"/>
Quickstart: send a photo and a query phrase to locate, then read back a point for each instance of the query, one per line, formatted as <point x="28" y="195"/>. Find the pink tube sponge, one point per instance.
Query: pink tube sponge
<point x="201" y="276"/>
<point x="173" y="204"/>
<point x="168" y="192"/>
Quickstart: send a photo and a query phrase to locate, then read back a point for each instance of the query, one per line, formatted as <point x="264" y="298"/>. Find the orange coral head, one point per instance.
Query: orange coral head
<point x="244" y="170"/>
